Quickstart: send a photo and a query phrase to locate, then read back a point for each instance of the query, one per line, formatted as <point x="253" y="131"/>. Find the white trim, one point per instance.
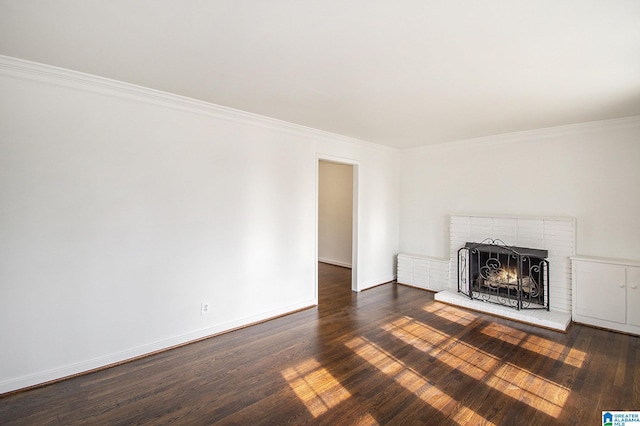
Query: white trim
<point x="22" y="69"/>
<point x="509" y="216"/>
<point x="335" y="159"/>
<point x="129" y="354"/>
<point x="609" y="260"/>
<point x="376" y="282"/>
<point x="355" y="285"/>
<point x="355" y="230"/>
<point x="534" y="135"/>
<point x="334" y="262"/>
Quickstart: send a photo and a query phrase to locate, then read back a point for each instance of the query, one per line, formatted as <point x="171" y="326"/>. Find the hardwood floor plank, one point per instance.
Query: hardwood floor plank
<point x="388" y="355"/>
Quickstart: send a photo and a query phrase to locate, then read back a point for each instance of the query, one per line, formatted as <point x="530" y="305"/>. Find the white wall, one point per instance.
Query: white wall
<point x="335" y="213"/>
<point x="123" y="208"/>
<point x="589" y="171"/>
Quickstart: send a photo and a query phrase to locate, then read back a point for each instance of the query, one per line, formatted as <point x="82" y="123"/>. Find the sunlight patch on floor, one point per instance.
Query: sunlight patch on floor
<point x="540" y="345"/>
<point x="416" y="333"/>
<point x="514" y="381"/>
<point x="366" y="420"/>
<point x="571" y="356"/>
<point x="450" y="313"/>
<point x="315" y="386"/>
<point x="504" y="333"/>
<point x="466" y="416"/>
<point x="466" y="358"/>
<point x="535" y="391"/>
<point x="400" y="372"/>
<point x="411" y="380"/>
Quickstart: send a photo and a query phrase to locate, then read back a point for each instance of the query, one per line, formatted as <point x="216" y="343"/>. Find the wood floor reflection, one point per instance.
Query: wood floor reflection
<point x="388" y="355"/>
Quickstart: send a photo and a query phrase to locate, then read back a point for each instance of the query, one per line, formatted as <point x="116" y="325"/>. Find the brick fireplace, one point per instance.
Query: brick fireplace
<point x="552" y="236"/>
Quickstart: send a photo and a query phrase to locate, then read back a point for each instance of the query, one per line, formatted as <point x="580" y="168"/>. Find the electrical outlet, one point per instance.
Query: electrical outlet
<point x="204" y="308"/>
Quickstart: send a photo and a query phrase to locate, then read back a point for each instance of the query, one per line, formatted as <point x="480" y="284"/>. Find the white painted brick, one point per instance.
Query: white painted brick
<point x="480" y="222"/>
<point x="424" y="272"/>
<point x="557" y="235"/>
<point x="537" y="243"/>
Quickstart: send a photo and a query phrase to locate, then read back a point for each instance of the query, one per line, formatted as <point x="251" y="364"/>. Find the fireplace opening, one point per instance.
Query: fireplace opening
<point x="512" y="276"/>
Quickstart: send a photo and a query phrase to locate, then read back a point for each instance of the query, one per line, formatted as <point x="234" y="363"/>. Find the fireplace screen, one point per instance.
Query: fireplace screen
<point x="493" y="272"/>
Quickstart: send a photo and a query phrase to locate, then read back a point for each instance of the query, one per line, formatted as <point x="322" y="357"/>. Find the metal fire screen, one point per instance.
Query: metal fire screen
<point x="493" y="272"/>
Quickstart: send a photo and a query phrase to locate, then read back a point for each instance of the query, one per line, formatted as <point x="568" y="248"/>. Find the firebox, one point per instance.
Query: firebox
<point x="494" y="272"/>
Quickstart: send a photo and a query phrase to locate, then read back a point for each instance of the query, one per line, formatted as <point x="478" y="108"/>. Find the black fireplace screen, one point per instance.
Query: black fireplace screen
<point x="512" y="276"/>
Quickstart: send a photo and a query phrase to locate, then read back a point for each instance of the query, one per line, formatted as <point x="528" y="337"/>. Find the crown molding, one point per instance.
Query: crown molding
<point x="34" y="71"/>
<point x="533" y="135"/>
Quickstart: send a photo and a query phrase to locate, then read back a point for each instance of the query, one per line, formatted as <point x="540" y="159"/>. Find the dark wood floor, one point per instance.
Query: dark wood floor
<point x="389" y="355"/>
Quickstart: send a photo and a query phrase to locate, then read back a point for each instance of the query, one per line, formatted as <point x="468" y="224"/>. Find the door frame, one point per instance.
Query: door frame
<point x="355" y="215"/>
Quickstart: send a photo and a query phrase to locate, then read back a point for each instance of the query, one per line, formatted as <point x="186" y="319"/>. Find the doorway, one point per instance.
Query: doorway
<point x="337" y="213"/>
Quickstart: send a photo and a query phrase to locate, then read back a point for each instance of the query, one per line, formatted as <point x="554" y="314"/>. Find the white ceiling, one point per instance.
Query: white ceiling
<point x="396" y="72"/>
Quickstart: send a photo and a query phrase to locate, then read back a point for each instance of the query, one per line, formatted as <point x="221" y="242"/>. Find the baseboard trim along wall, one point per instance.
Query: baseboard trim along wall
<point x="85" y="367"/>
<point x="374" y="283"/>
<point x="334" y="262"/>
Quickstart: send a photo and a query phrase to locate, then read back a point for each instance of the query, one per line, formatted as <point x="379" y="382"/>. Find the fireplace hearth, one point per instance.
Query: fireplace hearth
<point x="494" y="272"/>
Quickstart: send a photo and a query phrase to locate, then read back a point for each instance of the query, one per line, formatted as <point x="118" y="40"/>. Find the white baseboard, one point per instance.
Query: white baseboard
<point x="373" y="283"/>
<point x="136" y="352"/>
<point x="334" y="262"/>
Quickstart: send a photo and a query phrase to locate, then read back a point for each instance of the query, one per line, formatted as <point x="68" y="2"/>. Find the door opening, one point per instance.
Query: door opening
<point x="337" y="195"/>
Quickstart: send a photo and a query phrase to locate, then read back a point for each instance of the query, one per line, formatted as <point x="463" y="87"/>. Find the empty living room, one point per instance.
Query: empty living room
<point x="341" y="213"/>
